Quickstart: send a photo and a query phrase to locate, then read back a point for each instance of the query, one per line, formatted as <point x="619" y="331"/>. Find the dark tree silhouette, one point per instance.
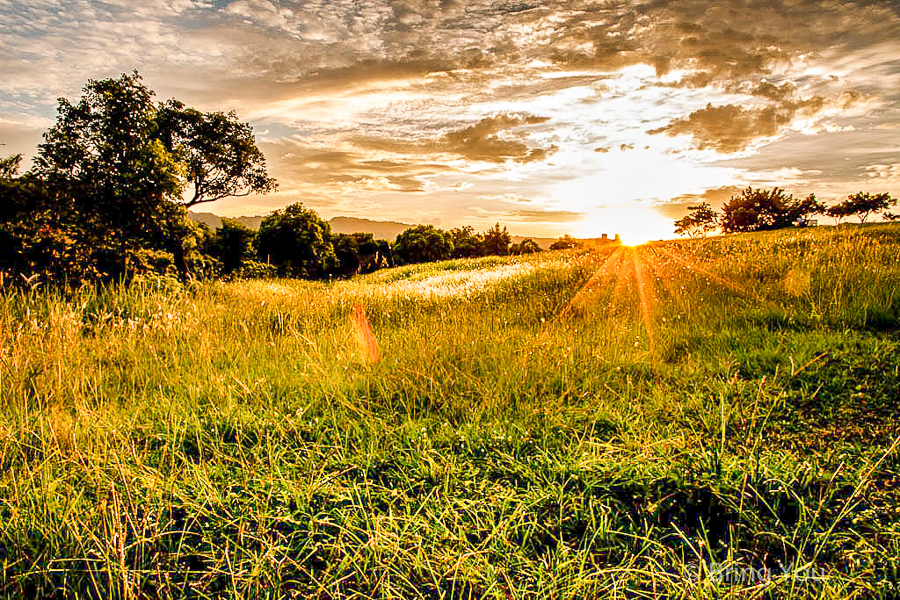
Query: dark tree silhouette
<point x="423" y="243"/>
<point x="219" y="153"/>
<point x="701" y="220"/>
<point x="298" y="241"/>
<point x="232" y="245"/>
<point x="466" y="243"/>
<point x="496" y="241"/>
<point x="864" y="204"/>
<point x="761" y="210"/>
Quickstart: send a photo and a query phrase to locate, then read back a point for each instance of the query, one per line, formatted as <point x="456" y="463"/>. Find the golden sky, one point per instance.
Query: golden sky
<point x="553" y="117"/>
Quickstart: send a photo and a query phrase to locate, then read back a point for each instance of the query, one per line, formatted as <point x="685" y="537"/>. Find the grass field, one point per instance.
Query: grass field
<point x="608" y="422"/>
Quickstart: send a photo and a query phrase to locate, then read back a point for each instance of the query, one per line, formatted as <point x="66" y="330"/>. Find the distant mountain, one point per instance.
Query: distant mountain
<point x="382" y="230"/>
<point x="214" y="221"/>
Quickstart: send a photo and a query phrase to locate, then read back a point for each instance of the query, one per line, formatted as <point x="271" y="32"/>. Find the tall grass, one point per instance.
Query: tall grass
<point x="544" y="426"/>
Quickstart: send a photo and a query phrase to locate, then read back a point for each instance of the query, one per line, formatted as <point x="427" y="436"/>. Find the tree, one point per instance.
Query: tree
<point x="423" y="243"/>
<point x="232" y="245"/>
<point x="466" y="243"/>
<point x="761" y="210"/>
<point x="104" y="154"/>
<point x="218" y="153"/>
<point x="123" y="164"/>
<point x="9" y="166"/>
<point x="889" y="216"/>
<point x="496" y="241"/>
<point x="298" y="241"/>
<point x="355" y="252"/>
<point x="565" y="242"/>
<point x="840" y="211"/>
<point x="863" y="204"/>
<point x="701" y="220"/>
<point x="526" y="246"/>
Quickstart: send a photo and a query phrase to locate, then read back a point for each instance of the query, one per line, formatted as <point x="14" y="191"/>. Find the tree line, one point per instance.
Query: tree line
<point x="108" y="193"/>
<point x="763" y="210"/>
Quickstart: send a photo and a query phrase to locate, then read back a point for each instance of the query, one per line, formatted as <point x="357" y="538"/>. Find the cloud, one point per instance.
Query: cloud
<point x="731" y="128"/>
<point x="484" y="141"/>
<point x="373" y="104"/>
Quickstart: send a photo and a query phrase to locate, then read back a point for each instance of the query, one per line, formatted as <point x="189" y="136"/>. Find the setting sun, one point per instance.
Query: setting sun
<point x="635" y="226"/>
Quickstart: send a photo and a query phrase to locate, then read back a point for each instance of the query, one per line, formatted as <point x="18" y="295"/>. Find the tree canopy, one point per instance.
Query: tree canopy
<point x="218" y="153"/>
<point x="701" y="220"/>
<point x="761" y="210"/>
<point x="110" y="178"/>
<point x="298" y="241"/>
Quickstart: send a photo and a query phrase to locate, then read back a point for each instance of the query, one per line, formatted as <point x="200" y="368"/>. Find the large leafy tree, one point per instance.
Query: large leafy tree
<point x="218" y="153"/>
<point x="298" y="241"/>
<point x="128" y="167"/>
<point x="864" y="204"/>
<point x="761" y="210"/>
<point x="701" y="220"/>
<point x="423" y="243"/>
<point x="104" y="153"/>
<point x="526" y="246"/>
<point x="496" y="241"/>
<point x="466" y="243"/>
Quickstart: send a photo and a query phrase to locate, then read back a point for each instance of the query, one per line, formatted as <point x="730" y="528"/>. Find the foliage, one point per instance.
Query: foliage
<point x="232" y="245"/>
<point x="761" y="210"/>
<point x="840" y="211"/>
<point x="253" y="269"/>
<point x="861" y="204"/>
<point x="864" y="204"/>
<point x="218" y="153"/>
<point x="423" y="243"/>
<point x="9" y="166"/>
<point x="564" y="243"/>
<point x="526" y="246"/>
<point x="297" y="241"/>
<point x="466" y="243"/>
<point x="106" y="186"/>
<point x="701" y="220"/>
<point x="496" y="241"/>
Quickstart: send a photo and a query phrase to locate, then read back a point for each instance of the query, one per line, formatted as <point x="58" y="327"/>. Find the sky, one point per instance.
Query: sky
<point x="548" y="117"/>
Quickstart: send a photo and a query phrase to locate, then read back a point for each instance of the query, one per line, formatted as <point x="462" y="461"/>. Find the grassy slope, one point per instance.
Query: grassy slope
<point x="564" y="425"/>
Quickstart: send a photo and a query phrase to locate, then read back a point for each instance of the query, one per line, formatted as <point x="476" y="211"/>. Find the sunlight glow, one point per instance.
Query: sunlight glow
<point x="635" y="225"/>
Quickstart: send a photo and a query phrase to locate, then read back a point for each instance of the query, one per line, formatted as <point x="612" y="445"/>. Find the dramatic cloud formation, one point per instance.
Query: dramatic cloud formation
<point x="576" y="116"/>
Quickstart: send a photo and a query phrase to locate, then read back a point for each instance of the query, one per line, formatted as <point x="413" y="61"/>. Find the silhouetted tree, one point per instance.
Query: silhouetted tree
<point x="218" y="153"/>
<point x="423" y="243"/>
<point x="760" y="210"/>
<point x="526" y="246"/>
<point x="840" y="211"/>
<point x="564" y="243"/>
<point x="232" y="245"/>
<point x="297" y="241"/>
<point x="496" y="241"/>
<point x="863" y="204"/>
<point x="701" y="220"/>
<point x="466" y="243"/>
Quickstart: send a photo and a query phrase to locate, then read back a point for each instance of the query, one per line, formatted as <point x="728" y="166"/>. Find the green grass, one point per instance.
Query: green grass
<point x="536" y="427"/>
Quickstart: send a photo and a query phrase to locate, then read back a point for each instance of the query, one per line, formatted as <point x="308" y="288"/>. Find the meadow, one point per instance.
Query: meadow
<point x="703" y="418"/>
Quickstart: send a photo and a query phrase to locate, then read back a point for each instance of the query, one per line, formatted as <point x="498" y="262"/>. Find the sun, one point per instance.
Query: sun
<point x="635" y="226"/>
